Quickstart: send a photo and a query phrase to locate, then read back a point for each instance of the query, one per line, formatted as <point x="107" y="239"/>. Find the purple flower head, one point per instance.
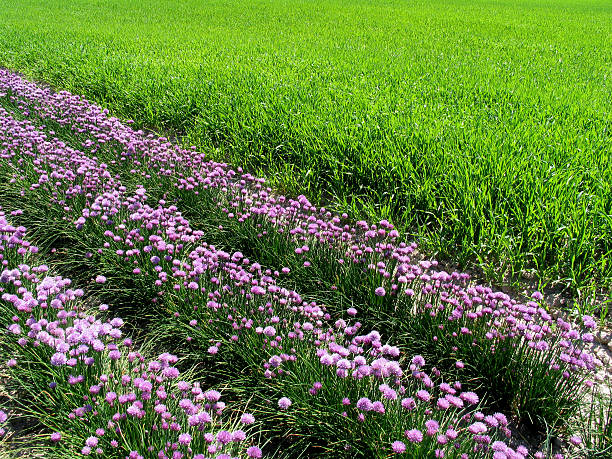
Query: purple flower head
<point x="224" y="437"/>
<point x="170" y="372"/>
<point x="418" y="361"/>
<point x="254" y="452"/>
<point x="589" y="322"/>
<point x="247" y="418"/>
<point x="414" y="435"/>
<point x="491" y="421"/>
<point x="184" y="439"/>
<point x="575" y="440"/>
<point x="432" y="427"/>
<point x="537" y="296"/>
<point x="212" y="395"/>
<point x="238" y="435"/>
<point x="443" y="404"/>
<point x="284" y="403"/>
<point x="501" y="418"/>
<point x="477" y="428"/>
<point x="388" y="392"/>
<point x="92" y="442"/>
<point x="398" y="447"/>
<point x="364" y="404"/>
<point x="408" y="403"/>
<point x="58" y="359"/>
<point x="469" y="397"/>
<point x="378" y="407"/>
<point x="257" y="290"/>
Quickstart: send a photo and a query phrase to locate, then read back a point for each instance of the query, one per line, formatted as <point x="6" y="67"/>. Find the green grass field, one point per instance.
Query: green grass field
<point x="482" y="127"/>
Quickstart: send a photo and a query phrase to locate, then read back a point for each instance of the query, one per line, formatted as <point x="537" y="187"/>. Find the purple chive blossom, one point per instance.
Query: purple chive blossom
<point x="100" y="279"/>
<point x="408" y="403"/>
<point x="212" y="350"/>
<point x="364" y="404"/>
<point x="378" y="407"/>
<point x="238" y="436"/>
<point x="284" y="403"/>
<point x="575" y="440"/>
<point x="254" y="452"/>
<point x="414" y="435"/>
<point x="380" y="291"/>
<point x="223" y="437"/>
<point x="257" y="290"/>
<point x="184" y="439"/>
<point x="432" y="427"/>
<point x="469" y="397"/>
<point x="589" y="322"/>
<point x="170" y="372"/>
<point x="58" y="359"/>
<point x="92" y="442"/>
<point x="247" y="419"/>
<point x="55" y="437"/>
<point x="477" y="428"/>
<point x="443" y="404"/>
<point x="398" y="447"/>
<point x="212" y="395"/>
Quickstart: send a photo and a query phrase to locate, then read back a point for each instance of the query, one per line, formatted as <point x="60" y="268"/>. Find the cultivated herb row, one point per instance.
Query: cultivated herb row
<point x="339" y="337"/>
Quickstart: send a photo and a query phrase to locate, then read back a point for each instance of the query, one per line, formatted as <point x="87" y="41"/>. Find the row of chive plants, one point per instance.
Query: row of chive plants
<point x="476" y="318"/>
<point x="87" y="384"/>
<point x="300" y="219"/>
<point x="379" y="290"/>
<point x="261" y="343"/>
<point x="272" y="228"/>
